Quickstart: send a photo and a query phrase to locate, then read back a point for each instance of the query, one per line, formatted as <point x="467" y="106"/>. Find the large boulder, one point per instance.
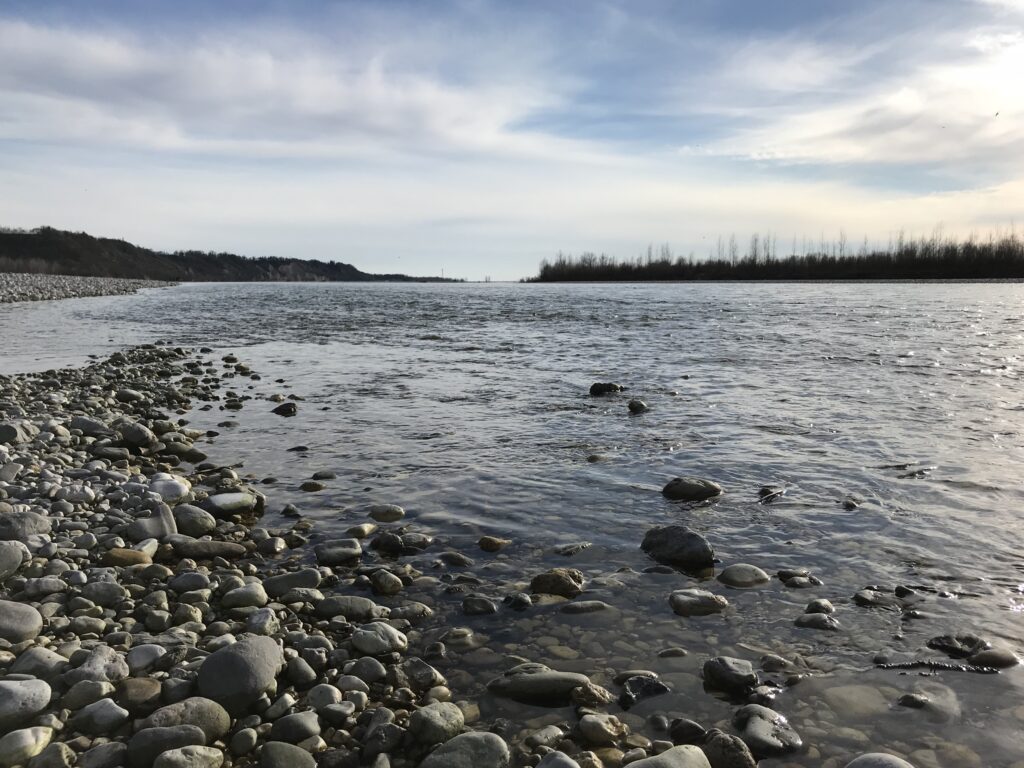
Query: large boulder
<point x="237" y="674"/>
<point x="678" y="546"/>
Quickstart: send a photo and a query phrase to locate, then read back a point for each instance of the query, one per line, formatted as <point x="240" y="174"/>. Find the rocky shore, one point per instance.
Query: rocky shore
<point x="23" y="286"/>
<point x="148" y="618"/>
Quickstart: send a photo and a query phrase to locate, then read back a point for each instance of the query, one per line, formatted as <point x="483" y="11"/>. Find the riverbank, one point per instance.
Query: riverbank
<point x="23" y="286"/>
<point x="148" y="618"/>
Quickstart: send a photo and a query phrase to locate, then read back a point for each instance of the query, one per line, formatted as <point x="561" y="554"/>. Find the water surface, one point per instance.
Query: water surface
<point x="467" y="404"/>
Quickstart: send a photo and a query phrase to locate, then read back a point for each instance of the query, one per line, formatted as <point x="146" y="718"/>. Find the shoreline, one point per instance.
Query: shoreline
<point x="150" y="617"/>
<point x="17" y="287"/>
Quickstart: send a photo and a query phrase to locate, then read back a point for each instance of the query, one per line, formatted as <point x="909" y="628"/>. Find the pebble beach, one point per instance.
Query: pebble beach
<point x="24" y="286"/>
<point x="161" y="607"/>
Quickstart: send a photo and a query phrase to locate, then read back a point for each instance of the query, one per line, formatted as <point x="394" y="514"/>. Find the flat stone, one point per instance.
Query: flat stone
<point x="378" y="638"/>
<point x="386" y="513"/>
<point x="743" y="575"/>
<point x="338" y="552"/>
<point x="537" y="684"/>
<point x="307" y="578"/>
<point x="697" y="602"/>
<point x="691" y="489"/>
<point x="234" y="503"/>
<point x="352" y="607"/>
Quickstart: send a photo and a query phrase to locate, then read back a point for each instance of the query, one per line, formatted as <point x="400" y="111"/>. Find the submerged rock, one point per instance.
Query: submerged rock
<point x="677" y="545"/>
<point x="538" y="684"/>
<point x="691" y="489"/>
<point x="697" y="602"/>
<point x="766" y="732"/>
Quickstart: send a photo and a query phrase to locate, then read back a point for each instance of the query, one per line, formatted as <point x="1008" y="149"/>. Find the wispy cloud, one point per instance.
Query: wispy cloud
<point x="473" y="129"/>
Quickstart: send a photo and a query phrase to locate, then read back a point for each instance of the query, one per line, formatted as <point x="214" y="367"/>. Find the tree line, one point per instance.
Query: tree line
<point x="923" y="258"/>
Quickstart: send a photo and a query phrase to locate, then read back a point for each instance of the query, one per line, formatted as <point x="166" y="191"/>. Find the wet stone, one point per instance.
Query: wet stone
<point x="766" y="732"/>
<point x="691" y="489"/>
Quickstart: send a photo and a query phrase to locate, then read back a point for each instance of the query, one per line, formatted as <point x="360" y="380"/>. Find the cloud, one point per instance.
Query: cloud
<point x="91" y="87"/>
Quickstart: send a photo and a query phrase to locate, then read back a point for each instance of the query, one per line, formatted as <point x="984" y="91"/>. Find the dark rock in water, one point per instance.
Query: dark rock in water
<point x="565" y="582"/>
<point x="729" y="674"/>
<point x="537" y="684"/>
<point x="636" y="405"/>
<point x="995" y="658"/>
<point x="823" y="621"/>
<point x="913" y="700"/>
<point x="691" y="489"/>
<point x="697" y="602"/>
<point x="724" y="750"/>
<point x="518" y="601"/>
<point x="677" y="545"/>
<point x="236" y="675"/>
<point x="277" y="754"/>
<point x="766" y="494"/>
<point x="870" y="597"/>
<point x="492" y="543"/>
<point x="598" y="389"/>
<point x="641" y="687"/>
<point x="683" y="731"/>
<point x="766" y="732"/>
<point x="286" y="409"/>
<point x="568" y="550"/>
<point x="478" y="605"/>
<point x="959" y="646"/>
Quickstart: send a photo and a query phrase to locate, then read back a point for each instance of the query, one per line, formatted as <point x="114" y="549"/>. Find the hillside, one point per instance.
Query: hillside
<point x="53" y="251"/>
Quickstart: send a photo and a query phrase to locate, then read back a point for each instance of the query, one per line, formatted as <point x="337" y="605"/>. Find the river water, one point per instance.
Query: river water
<point x="468" y="405"/>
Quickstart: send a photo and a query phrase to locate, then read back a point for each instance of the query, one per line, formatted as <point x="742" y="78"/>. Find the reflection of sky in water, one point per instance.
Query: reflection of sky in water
<point x="466" y="404"/>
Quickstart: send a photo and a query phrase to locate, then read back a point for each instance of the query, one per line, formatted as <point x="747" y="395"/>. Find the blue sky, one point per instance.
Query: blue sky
<point x="479" y="137"/>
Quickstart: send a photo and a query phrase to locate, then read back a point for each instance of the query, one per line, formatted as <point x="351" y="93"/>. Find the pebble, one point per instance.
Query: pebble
<point x="878" y="760"/>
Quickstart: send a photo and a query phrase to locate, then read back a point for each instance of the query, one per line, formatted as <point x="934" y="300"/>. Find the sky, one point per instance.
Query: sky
<point x="475" y="138"/>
